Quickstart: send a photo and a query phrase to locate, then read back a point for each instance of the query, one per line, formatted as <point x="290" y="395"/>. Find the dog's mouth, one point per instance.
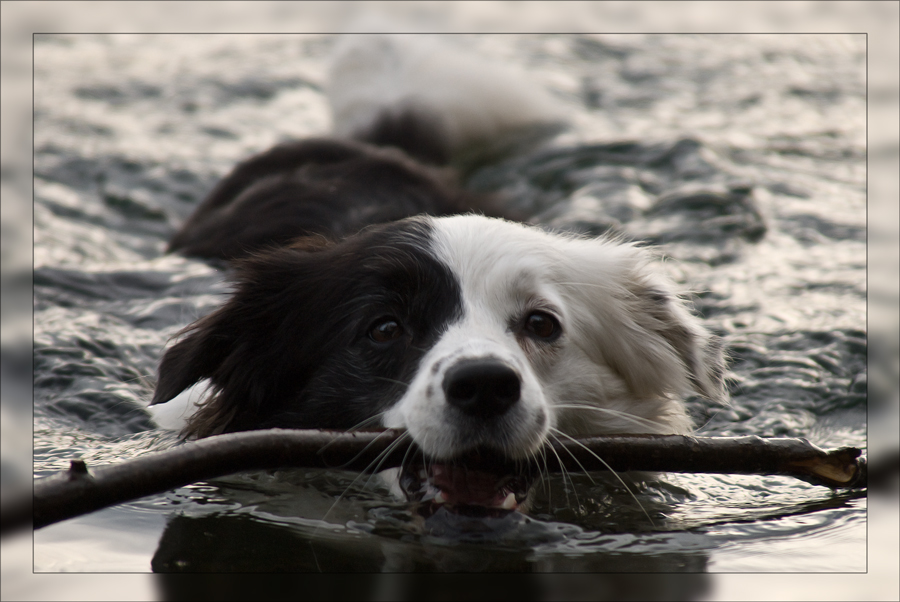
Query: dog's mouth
<point x="467" y="485"/>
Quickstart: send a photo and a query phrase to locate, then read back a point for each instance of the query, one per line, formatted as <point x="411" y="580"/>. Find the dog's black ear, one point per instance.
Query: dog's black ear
<point x="261" y="346"/>
<point x="197" y="356"/>
<point x="240" y="324"/>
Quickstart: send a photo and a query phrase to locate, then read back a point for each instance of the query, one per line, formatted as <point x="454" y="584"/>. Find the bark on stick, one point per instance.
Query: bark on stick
<point x="83" y="489"/>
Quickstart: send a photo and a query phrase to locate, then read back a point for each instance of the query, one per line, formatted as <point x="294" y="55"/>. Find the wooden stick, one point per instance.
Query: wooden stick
<point x="79" y="490"/>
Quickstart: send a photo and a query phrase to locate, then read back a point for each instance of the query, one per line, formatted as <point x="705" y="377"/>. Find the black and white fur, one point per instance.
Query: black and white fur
<point x="353" y="308"/>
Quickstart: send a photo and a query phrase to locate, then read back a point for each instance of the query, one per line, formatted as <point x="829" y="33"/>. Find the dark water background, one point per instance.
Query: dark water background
<point x="742" y="156"/>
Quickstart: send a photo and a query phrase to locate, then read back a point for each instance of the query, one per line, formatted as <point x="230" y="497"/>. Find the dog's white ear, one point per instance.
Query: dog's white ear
<point x="643" y="330"/>
<point x="663" y="313"/>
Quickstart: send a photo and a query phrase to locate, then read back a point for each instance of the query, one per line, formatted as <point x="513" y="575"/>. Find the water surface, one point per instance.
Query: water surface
<point x="741" y="157"/>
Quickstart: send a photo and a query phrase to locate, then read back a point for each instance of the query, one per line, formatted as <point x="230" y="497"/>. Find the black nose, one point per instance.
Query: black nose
<point x="483" y="388"/>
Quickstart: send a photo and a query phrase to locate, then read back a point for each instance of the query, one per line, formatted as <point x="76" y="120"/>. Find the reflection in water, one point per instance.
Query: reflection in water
<point x="317" y="521"/>
<point x="432" y="586"/>
<point x="207" y="544"/>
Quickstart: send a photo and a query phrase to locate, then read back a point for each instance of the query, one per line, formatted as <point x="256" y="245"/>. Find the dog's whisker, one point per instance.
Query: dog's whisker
<point x="537" y="464"/>
<point x="588" y="284"/>
<point x="392" y="380"/>
<point x="405" y="455"/>
<point x="701" y="428"/>
<point x="383" y="456"/>
<point x="366" y="422"/>
<point x="426" y="462"/>
<point x="640" y="420"/>
<point x="546" y="482"/>
<point x="134" y="407"/>
<point x="362" y="451"/>
<point x="580" y="465"/>
<point x="143" y="379"/>
<point x="554" y="432"/>
<point x="356" y="427"/>
<point x="563" y="471"/>
<point x="609" y="468"/>
<point x="358" y="476"/>
<point x="379" y="459"/>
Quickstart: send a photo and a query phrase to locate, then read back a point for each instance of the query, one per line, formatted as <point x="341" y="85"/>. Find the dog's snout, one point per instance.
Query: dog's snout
<point x="483" y="388"/>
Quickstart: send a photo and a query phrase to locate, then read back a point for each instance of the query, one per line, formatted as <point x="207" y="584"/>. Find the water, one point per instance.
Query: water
<point x="741" y="157"/>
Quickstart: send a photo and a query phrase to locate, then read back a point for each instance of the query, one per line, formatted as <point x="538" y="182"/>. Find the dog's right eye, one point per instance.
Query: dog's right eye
<point x="385" y="330"/>
<point x="542" y="325"/>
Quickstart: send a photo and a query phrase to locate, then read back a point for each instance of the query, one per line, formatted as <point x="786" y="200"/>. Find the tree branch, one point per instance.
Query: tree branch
<point x="79" y="490"/>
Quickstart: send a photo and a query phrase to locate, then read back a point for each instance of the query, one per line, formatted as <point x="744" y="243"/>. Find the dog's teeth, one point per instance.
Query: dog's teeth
<point x="509" y="503"/>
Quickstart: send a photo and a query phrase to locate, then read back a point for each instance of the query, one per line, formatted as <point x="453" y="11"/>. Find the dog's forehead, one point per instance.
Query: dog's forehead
<point x="496" y="255"/>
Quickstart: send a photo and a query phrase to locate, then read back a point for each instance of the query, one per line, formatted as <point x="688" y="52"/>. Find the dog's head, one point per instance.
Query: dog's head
<point x="470" y="333"/>
<point x="552" y="332"/>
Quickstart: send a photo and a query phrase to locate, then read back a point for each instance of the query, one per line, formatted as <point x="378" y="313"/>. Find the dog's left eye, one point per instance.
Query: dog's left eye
<point x="542" y="325"/>
<point x="385" y="330"/>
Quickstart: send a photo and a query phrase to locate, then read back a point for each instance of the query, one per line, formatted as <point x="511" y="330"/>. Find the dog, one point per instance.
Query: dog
<point x="369" y="294"/>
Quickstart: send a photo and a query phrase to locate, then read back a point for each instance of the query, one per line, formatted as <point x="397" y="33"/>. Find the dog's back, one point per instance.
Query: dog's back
<point x="402" y="107"/>
<point x="434" y="100"/>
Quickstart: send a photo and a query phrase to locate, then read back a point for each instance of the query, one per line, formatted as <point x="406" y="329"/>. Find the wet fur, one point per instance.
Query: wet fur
<point x="331" y="237"/>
